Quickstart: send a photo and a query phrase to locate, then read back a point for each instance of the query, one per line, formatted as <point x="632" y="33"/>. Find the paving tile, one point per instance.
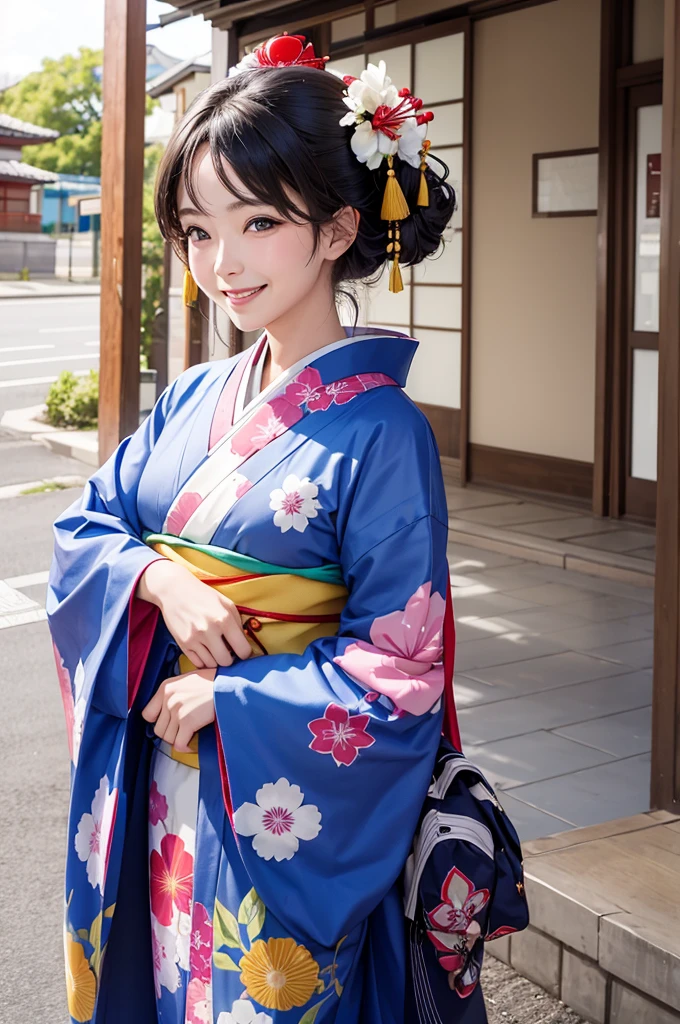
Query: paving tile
<point x="466" y="557"/>
<point x="531" y="823"/>
<point x="533" y="757"/>
<point x="629" y="732"/>
<point x="512" y="513"/>
<point x="543" y="620"/>
<point x="565" y="705"/>
<point x="612" y="790"/>
<point x="636" y="654"/>
<point x="559" y="594"/>
<point x="648" y="553"/>
<point x="546" y="673"/>
<point x="484" y="605"/>
<point x="590" y="833"/>
<point x="584" y="987"/>
<point x="617" y="540"/>
<point x="605" y="608"/>
<point x="470" y="691"/>
<point x="463" y="497"/>
<point x="600" y="634"/>
<point x="570" y="527"/>
<point x="477" y="627"/>
<point x="561" y="907"/>
<point x="503" y="649"/>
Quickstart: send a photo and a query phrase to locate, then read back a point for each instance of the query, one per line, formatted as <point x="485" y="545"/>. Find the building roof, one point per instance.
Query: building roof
<point x="19" y="171"/>
<point x="172" y="76"/>
<point x="24" y="132"/>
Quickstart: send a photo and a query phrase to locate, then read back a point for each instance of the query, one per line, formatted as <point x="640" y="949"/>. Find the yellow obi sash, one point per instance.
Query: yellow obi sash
<point x="282" y="610"/>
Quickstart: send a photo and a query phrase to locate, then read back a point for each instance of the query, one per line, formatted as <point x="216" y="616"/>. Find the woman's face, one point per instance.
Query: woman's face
<point x="246" y="257"/>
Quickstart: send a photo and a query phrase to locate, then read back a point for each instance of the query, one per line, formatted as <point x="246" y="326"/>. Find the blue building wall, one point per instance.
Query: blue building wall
<point x="67" y="186"/>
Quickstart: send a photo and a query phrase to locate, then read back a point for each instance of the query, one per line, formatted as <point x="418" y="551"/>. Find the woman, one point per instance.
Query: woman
<point x="256" y="582"/>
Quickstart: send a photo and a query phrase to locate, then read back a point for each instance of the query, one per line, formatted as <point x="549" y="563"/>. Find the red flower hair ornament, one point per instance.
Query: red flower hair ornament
<point x="281" y="52"/>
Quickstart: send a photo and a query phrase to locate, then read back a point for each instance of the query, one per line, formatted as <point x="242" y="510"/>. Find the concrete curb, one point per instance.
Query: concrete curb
<point x="82" y="445"/>
<point x="57" y="292"/>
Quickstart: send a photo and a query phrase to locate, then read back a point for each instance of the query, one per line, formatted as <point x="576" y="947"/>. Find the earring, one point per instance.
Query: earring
<point x="189" y="289"/>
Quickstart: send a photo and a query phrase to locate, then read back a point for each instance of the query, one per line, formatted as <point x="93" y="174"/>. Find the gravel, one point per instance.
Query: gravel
<point x="511" y="999"/>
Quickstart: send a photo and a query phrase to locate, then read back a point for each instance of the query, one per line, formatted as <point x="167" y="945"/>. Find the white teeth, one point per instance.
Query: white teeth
<point x="242" y="295"/>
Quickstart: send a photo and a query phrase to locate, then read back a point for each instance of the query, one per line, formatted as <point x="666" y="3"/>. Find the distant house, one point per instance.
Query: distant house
<point x="22" y="243"/>
<point x="61" y="215"/>
<point x="175" y="88"/>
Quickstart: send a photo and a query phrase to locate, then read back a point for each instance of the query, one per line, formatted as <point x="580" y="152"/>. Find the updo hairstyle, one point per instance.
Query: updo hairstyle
<point x="280" y="127"/>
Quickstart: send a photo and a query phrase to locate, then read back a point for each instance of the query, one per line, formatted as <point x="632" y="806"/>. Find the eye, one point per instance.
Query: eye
<point x="201" y="237"/>
<point x="261" y="224"/>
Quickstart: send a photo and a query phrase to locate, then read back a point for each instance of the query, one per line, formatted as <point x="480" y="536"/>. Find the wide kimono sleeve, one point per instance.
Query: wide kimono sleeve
<point x="328" y="755"/>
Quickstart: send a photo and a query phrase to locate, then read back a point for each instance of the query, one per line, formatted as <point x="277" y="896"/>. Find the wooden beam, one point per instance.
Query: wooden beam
<point x="122" y="179"/>
<point x="665" y="782"/>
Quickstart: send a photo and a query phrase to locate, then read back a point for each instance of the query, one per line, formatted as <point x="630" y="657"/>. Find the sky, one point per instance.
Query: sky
<point x="34" y="29"/>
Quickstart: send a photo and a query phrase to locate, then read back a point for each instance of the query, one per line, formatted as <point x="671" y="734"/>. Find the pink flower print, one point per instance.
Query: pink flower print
<point x="340" y="392"/>
<point x="375" y="380"/>
<point x="454" y="929"/>
<point x="95" y="830"/>
<point x="158" y="805"/>
<point x="340" y="734"/>
<point x="400" y="661"/>
<point x="66" y="695"/>
<point x="182" y="512"/>
<point x="172" y="879"/>
<point x="199" y="1002"/>
<point x="243" y="486"/>
<point x="270" y="421"/>
<point x="201" y="943"/>
<point x="304" y="387"/>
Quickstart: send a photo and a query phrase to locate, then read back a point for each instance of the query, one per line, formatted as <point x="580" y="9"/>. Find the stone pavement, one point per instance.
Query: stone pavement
<point x="47" y="288"/>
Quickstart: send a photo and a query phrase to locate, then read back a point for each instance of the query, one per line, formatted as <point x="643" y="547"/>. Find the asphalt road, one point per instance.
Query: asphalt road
<point x="40" y="337"/>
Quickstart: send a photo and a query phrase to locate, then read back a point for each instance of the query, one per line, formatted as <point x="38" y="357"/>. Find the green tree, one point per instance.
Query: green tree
<point x="65" y="95"/>
<point x="152" y="252"/>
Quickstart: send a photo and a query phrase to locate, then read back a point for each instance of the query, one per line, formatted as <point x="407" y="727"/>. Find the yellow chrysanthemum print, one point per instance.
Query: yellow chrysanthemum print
<point x="81" y="984"/>
<point x="279" y="974"/>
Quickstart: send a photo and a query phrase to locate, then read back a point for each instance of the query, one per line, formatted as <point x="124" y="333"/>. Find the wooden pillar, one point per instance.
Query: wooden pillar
<point x="665" y="788"/>
<point x="121" y="221"/>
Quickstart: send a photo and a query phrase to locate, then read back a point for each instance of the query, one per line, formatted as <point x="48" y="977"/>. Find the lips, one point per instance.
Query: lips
<point x="239" y="296"/>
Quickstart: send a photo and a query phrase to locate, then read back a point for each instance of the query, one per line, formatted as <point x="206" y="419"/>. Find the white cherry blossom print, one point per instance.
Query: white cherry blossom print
<point x="94" y="834"/>
<point x="78" y="709"/>
<point x="165" y="970"/>
<point x="294" y="504"/>
<point x="243" y="1012"/>
<point x="278" y="820"/>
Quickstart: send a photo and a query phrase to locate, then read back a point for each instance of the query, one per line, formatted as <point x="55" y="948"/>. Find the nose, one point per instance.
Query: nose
<point x="227" y="264"/>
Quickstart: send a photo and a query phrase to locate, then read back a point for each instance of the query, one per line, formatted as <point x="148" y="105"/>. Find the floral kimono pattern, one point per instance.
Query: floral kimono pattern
<point x="263" y="888"/>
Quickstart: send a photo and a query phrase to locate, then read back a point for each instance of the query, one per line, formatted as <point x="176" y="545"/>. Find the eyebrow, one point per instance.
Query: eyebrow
<point x="238" y="204"/>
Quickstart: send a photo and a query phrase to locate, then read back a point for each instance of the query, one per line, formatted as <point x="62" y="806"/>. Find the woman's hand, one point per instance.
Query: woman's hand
<point x="205" y="624"/>
<point x="181" y="706"/>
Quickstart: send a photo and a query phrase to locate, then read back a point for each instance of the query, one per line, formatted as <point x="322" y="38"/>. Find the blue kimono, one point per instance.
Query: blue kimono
<point x="264" y="887"/>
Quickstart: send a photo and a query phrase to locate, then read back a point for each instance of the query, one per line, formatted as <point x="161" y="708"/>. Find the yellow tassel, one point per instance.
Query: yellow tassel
<point x="423" y="191"/>
<point x="396" y="284"/>
<point x="394" y="205"/>
<point x="189" y="289"/>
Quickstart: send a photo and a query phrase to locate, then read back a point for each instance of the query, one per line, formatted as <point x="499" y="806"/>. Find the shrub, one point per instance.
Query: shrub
<point x="73" y="401"/>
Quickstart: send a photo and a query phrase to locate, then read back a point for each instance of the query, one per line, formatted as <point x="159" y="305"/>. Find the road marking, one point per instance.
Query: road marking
<point x="64" y="299"/>
<point x="12" y="601"/>
<point x="31" y="579"/>
<point x="23" y="382"/>
<point x="91" y="343"/>
<point x="17" y="490"/>
<point x="64" y="330"/>
<point x="26" y="348"/>
<point x="49" y="359"/>
<point x="22" y="618"/>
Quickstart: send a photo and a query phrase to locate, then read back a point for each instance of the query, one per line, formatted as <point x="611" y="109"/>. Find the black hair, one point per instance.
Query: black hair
<point x="278" y="128"/>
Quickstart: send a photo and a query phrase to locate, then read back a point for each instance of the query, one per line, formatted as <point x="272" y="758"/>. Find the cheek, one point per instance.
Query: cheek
<point x="287" y="256"/>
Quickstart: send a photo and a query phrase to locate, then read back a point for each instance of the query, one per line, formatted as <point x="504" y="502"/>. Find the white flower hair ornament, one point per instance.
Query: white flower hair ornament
<point x="388" y="123"/>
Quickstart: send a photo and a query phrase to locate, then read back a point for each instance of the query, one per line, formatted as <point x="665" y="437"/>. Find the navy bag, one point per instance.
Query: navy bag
<point x="463" y="883"/>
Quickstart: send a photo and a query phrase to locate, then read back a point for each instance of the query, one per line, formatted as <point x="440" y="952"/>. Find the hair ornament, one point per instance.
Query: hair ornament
<point x="388" y="123"/>
<point x="189" y="289"/>
<point x="282" y="51"/>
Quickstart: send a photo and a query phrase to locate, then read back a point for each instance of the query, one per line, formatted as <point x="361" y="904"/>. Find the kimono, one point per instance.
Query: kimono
<point x="259" y="878"/>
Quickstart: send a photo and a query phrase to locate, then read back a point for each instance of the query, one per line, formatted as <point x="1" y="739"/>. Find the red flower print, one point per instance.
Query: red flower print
<point x="182" y="513"/>
<point x="340" y="734"/>
<point x="201" y="943"/>
<point x="172" y="875"/>
<point x="158" y="805"/>
<point x="270" y="421"/>
<point x="304" y="387"/>
<point x="454" y="929"/>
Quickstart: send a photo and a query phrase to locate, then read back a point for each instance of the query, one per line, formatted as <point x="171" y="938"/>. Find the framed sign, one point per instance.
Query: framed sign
<point x="565" y="183"/>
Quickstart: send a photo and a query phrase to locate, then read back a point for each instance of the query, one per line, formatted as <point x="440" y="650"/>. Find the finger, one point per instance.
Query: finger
<point x="203" y="652"/>
<point x="170" y="734"/>
<point x="182" y="739"/>
<point x="162" y="722"/>
<point x="193" y="655"/>
<point x="220" y="651"/>
<point x="237" y="639"/>
<point x="153" y="708"/>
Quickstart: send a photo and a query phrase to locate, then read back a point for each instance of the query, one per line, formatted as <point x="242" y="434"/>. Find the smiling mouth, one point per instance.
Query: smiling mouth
<point x="242" y="294"/>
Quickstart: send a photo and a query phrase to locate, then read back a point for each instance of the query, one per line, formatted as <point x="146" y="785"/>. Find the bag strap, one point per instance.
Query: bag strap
<point x="450" y="729"/>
